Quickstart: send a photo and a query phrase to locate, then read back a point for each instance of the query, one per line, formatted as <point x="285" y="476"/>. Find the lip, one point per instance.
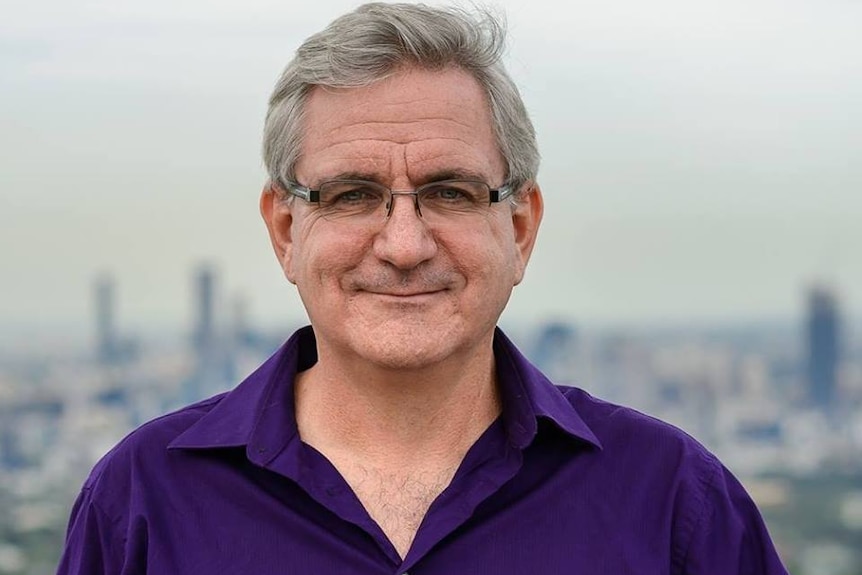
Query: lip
<point x="406" y="296"/>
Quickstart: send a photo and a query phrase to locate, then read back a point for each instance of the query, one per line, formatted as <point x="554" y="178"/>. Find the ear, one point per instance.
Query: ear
<point x="526" y="217"/>
<point x="277" y="215"/>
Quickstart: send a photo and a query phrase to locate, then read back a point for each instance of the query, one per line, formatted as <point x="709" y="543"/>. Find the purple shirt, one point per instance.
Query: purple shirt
<point x="560" y="483"/>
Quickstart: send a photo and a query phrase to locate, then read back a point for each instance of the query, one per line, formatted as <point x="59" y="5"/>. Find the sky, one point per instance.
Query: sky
<point x="701" y="160"/>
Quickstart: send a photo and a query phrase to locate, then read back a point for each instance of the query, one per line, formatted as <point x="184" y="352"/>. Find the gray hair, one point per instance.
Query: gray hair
<point x="375" y="41"/>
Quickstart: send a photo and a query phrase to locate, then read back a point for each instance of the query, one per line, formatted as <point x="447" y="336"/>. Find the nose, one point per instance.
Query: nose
<point x="405" y="241"/>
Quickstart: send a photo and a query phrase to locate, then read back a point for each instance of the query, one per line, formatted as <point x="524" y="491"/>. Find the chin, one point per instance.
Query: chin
<point x="409" y="345"/>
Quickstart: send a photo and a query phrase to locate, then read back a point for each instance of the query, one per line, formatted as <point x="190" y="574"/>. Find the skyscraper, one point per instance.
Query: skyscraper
<point x="215" y="369"/>
<point x="204" y="330"/>
<point x="823" y="341"/>
<point x="112" y="347"/>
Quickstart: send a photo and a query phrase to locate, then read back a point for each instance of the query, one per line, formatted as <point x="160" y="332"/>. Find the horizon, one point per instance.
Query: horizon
<point x="78" y="338"/>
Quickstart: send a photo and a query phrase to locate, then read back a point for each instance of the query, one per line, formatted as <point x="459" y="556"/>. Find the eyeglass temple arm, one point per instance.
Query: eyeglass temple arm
<point x="306" y="194"/>
<point x="502" y="193"/>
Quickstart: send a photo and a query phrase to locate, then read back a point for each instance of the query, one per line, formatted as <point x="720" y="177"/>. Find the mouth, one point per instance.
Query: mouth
<point x="406" y="296"/>
<point x="407" y="293"/>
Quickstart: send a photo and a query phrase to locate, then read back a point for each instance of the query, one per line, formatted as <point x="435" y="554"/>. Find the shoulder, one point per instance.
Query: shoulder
<point x="623" y="430"/>
<point x="661" y="457"/>
<point x="653" y="465"/>
<point x="715" y="527"/>
<point x="146" y="446"/>
<point x="106" y="529"/>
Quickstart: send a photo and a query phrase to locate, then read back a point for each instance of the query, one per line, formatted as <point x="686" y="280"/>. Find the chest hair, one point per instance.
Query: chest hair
<point x="397" y="500"/>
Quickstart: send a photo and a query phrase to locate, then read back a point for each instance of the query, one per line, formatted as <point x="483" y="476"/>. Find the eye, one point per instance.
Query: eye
<point x="354" y="195"/>
<point x="338" y="194"/>
<point x="452" y="193"/>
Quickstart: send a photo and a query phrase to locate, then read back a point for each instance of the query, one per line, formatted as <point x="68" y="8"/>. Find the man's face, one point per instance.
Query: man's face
<point x="401" y="293"/>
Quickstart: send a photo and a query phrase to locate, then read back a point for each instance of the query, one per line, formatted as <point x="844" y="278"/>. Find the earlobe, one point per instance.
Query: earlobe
<point x="278" y="218"/>
<point x="526" y="218"/>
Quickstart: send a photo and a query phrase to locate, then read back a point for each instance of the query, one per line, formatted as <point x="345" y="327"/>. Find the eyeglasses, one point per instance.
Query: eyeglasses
<point x="362" y="202"/>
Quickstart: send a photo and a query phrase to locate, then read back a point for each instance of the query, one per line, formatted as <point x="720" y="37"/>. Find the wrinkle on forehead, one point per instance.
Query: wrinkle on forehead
<point x="405" y="131"/>
<point x="402" y="128"/>
<point x="367" y="146"/>
<point x="421" y="162"/>
<point x="413" y="159"/>
<point x="402" y="100"/>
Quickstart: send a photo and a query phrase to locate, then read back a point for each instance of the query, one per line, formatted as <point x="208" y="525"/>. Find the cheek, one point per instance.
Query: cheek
<point x="323" y="258"/>
<point x="488" y="261"/>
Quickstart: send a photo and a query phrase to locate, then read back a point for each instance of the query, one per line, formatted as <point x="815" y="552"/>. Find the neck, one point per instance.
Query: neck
<point x="391" y="417"/>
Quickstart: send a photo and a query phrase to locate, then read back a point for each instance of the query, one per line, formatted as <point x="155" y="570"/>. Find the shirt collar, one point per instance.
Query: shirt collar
<point x="528" y="397"/>
<point x="244" y="416"/>
<point x="259" y="413"/>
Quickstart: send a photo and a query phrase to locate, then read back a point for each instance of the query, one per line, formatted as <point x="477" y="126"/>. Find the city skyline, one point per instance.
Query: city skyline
<point x="111" y="328"/>
<point x="113" y="334"/>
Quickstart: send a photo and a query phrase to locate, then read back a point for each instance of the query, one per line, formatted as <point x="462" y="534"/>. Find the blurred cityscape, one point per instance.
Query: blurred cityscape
<point x="779" y="402"/>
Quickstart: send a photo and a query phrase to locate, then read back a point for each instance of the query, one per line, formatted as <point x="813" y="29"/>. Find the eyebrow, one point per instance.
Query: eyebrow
<point x="438" y="176"/>
<point x="353" y="175"/>
<point x="453" y="174"/>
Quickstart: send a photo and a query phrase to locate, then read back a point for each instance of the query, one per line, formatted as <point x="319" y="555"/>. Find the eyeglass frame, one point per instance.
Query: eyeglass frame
<point x="311" y="195"/>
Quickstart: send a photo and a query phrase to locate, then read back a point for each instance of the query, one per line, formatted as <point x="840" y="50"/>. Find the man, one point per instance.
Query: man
<point x="402" y="432"/>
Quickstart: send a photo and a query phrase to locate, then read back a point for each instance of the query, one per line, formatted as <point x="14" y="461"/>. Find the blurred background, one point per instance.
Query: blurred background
<point x="697" y="260"/>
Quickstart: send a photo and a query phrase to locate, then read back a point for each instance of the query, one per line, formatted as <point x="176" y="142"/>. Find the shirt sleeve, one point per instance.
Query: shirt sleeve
<point x="93" y="541"/>
<point x="730" y="537"/>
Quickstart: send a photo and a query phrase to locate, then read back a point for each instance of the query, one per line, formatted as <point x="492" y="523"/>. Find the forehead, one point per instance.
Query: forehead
<point x="409" y="126"/>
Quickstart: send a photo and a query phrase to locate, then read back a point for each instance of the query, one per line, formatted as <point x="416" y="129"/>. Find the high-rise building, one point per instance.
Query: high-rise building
<point x="112" y="347"/>
<point x="823" y="343"/>
<point x="215" y="368"/>
<point x="204" y="294"/>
